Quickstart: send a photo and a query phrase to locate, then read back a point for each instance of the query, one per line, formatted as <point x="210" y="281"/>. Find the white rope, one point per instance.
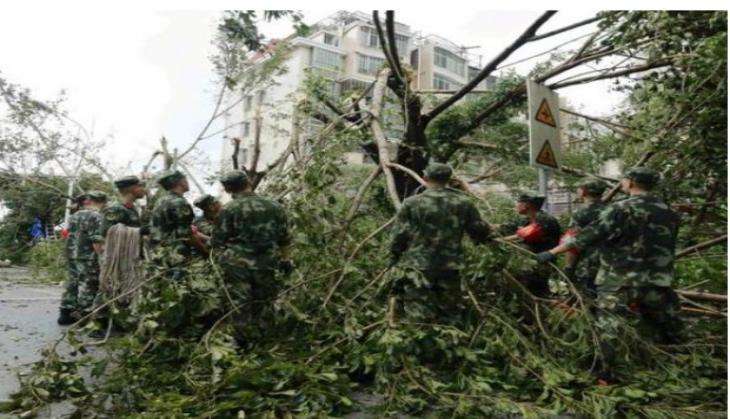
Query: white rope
<point x="121" y="268"/>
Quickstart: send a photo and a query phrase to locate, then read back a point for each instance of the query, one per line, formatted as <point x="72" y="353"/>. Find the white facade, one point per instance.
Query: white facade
<point x="345" y="49"/>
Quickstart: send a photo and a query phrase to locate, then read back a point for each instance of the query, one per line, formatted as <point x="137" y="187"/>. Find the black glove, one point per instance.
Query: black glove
<point x="286" y="267"/>
<point x="545" y="257"/>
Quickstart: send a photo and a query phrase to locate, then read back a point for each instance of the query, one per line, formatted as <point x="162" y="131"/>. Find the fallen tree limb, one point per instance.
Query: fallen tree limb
<point x="701" y="246"/>
<point x="703" y="312"/>
<point x="697" y="295"/>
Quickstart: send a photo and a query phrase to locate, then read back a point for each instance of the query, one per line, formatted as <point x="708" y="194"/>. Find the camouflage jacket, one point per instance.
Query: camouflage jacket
<point x="83" y="226"/>
<point x="172" y="218"/>
<point x="549" y="224"/>
<point x="430" y="226"/>
<point x="586" y="266"/>
<point x="114" y="214"/>
<point x="204" y="225"/>
<point x="250" y="231"/>
<point x="636" y="239"/>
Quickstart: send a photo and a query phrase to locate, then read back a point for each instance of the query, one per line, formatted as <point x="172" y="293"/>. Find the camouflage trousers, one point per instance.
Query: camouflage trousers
<point x="653" y="310"/>
<point x="253" y="291"/>
<point x="536" y="280"/>
<point x="430" y="296"/>
<point x="169" y="261"/>
<point x="82" y="284"/>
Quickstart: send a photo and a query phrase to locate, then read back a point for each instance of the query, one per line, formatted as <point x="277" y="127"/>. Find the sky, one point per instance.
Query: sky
<point x="135" y="75"/>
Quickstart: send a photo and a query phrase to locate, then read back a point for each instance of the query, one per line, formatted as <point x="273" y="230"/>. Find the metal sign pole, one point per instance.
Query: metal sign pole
<point x="542" y="185"/>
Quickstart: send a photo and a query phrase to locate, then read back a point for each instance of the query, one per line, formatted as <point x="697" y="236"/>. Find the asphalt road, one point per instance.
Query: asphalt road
<point x="27" y="323"/>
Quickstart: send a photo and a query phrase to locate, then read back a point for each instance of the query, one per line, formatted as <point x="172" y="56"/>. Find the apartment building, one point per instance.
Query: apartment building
<point x="345" y="49"/>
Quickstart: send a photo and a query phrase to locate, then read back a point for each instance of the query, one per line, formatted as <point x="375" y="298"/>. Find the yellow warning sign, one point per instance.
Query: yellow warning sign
<point x="546" y="156"/>
<point x="545" y="115"/>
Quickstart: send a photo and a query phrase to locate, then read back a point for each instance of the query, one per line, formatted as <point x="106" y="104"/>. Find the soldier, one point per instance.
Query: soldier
<point x="171" y="234"/>
<point x="211" y="209"/>
<point x="251" y="242"/>
<point x="83" y="258"/>
<point x="427" y="239"/>
<point x="130" y="190"/>
<point x="636" y="239"/>
<point x="582" y="267"/>
<point x="539" y="231"/>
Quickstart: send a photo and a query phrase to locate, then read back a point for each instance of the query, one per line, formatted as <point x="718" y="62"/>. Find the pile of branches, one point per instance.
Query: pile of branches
<point x="334" y="347"/>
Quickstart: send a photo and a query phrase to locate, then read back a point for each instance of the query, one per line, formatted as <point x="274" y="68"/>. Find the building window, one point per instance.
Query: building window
<point x="245" y="129"/>
<point x="369" y="37"/>
<point x="444" y="83"/>
<point x="330" y="39"/>
<point x="243" y="156"/>
<point x="369" y="65"/>
<point x="449" y="61"/>
<point x="247" y="102"/>
<point x="327" y="60"/>
<point x="401" y="43"/>
<point x="262" y="96"/>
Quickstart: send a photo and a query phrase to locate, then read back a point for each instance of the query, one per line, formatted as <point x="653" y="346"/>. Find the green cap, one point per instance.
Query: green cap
<point x="204" y="201"/>
<point x="439" y="172"/>
<point x="97" y="196"/>
<point x="127" y="181"/>
<point x="532" y="199"/>
<point x="169" y="178"/>
<point x="593" y="187"/>
<point x="643" y="176"/>
<point x="234" y="178"/>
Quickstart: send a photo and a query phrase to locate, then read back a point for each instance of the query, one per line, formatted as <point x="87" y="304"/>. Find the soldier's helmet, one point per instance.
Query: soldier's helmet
<point x="531" y="198"/>
<point x="127" y="181"/>
<point x="96" y="196"/>
<point x="643" y="176"/>
<point x="234" y="178"/>
<point x="593" y="187"/>
<point x="438" y="172"/>
<point x="204" y="201"/>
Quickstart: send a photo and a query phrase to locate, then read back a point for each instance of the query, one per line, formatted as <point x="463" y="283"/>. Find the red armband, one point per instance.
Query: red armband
<point x="531" y="233"/>
<point x="64" y="233"/>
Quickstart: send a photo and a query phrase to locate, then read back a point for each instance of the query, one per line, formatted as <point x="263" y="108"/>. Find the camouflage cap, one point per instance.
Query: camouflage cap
<point x="127" y="181"/>
<point x="235" y="177"/>
<point x="642" y="175"/>
<point x="532" y="199"/>
<point x="168" y="178"/>
<point x="593" y="187"/>
<point x="439" y="172"/>
<point x="204" y="201"/>
<point x="97" y="196"/>
<point x="79" y="199"/>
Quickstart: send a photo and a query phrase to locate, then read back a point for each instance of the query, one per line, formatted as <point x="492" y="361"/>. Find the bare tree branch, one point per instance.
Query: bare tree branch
<point x="489" y="68"/>
<point x="410" y="172"/>
<point x="565" y="28"/>
<point x="384" y="156"/>
<point x="626" y="72"/>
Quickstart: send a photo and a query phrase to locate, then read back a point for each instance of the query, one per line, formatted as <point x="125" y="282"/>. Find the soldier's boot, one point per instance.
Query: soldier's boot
<point x="65" y="317"/>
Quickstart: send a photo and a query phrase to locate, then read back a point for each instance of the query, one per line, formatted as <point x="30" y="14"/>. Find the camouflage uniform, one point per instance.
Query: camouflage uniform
<point x="117" y="213"/>
<point x="83" y="262"/>
<point x="246" y="241"/>
<point x="536" y="279"/>
<point x="171" y="230"/>
<point x="427" y="242"/>
<point x="636" y="239"/>
<point x="585" y="268"/>
<point x="205" y="223"/>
